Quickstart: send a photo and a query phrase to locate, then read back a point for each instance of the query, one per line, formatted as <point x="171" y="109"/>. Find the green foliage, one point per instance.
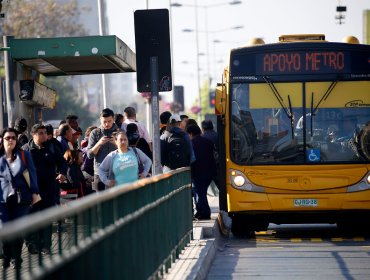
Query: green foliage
<point x="42" y="18"/>
<point x="67" y="103"/>
<point x="48" y="18"/>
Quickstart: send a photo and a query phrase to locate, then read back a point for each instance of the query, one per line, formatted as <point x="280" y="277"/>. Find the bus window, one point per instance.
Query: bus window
<point x="261" y="130"/>
<point x="337" y="119"/>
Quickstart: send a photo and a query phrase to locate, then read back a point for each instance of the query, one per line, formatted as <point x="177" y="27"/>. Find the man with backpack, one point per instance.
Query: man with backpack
<point x="176" y="147"/>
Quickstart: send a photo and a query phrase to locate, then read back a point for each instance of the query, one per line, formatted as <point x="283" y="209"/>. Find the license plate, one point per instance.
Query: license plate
<point x="305" y="202"/>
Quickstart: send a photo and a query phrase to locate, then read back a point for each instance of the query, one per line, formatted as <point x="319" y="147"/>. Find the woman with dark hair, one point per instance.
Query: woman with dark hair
<point x="118" y="119"/>
<point x="124" y="165"/>
<point x="18" y="189"/>
<point x="75" y="176"/>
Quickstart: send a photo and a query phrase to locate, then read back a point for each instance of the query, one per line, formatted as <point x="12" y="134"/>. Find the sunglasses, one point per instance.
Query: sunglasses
<point x="10" y="138"/>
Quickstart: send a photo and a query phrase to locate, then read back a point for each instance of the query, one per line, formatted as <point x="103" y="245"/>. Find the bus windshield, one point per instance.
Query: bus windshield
<point x="300" y="122"/>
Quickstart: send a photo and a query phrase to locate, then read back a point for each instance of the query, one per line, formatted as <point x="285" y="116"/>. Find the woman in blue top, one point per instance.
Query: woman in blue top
<point x="18" y="189"/>
<point x="122" y="165"/>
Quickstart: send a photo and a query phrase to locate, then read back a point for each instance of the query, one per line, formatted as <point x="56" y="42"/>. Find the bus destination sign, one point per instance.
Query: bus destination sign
<point x="302" y="62"/>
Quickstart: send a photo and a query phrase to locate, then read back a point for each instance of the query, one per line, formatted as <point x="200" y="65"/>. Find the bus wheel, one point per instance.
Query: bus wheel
<point x="354" y="227"/>
<point x="241" y="227"/>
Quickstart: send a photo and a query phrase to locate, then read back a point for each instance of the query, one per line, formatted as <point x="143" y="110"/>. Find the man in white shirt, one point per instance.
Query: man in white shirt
<point x="130" y="117"/>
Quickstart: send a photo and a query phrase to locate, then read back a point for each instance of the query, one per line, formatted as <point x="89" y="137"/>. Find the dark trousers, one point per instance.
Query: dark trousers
<point x="199" y="189"/>
<point x="9" y="211"/>
<point x="43" y="238"/>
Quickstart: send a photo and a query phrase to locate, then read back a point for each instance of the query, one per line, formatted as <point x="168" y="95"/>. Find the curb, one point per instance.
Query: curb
<point x="196" y="259"/>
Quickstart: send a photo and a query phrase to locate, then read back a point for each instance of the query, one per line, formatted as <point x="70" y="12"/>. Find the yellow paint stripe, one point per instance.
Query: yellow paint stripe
<point x="358" y="239"/>
<point x="337" y="239"/>
<point x="316" y="239"/>
<point x="295" y="240"/>
<point x="266" y="240"/>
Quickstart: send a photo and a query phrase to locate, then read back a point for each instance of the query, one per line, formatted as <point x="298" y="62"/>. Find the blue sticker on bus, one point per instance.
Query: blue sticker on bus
<point x="313" y="155"/>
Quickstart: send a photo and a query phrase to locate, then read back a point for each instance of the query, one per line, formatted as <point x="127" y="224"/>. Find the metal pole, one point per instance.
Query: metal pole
<point x="101" y="13"/>
<point x="148" y="118"/>
<point x="207" y="47"/>
<point x="1" y="106"/>
<point x="9" y="91"/>
<point x="198" y="68"/>
<point x="157" y="168"/>
<point x="171" y="49"/>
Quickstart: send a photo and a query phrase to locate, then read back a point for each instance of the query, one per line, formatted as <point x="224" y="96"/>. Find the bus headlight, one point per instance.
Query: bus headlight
<point x="363" y="185"/>
<point x="240" y="182"/>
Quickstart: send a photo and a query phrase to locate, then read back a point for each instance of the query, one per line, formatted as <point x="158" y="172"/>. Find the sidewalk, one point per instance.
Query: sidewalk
<point x="197" y="257"/>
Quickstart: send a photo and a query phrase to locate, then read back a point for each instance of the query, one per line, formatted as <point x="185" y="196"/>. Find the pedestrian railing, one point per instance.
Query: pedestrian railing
<point x="133" y="231"/>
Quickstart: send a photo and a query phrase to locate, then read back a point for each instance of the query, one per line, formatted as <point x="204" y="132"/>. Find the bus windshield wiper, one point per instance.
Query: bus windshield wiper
<point x="311" y="114"/>
<point x="324" y="97"/>
<point x="291" y="116"/>
<point x="288" y="111"/>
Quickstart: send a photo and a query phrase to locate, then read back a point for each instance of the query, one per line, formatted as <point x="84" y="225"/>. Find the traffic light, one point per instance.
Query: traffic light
<point x="212" y="99"/>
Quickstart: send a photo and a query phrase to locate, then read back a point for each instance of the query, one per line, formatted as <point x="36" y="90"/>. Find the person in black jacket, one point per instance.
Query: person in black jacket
<point x="164" y="117"/>
<point x="203" y="170"/>
<point x="20" y="126"/>
<point x="47" y="164"/>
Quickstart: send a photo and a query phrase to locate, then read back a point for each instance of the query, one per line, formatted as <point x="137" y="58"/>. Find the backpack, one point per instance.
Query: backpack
<point x="178" y="151"/>
<point x="87" y="163"/>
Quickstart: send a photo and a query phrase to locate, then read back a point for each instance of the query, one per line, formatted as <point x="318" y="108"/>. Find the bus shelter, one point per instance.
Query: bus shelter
<point x="27" y="58"/>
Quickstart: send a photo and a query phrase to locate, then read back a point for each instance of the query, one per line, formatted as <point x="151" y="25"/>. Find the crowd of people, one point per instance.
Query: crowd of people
<point x="34" y="171"/>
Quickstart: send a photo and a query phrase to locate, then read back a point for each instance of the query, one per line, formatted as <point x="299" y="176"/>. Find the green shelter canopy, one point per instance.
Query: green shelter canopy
<point x="74" y="55"/>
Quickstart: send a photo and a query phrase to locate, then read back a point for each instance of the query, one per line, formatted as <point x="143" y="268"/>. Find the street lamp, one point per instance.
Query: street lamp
<point x="188" y="30"/>
<point x="233" y="2"/>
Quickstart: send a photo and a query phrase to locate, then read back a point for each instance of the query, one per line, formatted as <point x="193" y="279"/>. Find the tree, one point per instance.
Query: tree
<point x="42" y="18"/>
<point x="67" y="103"/>
<point x="48" y="18"/>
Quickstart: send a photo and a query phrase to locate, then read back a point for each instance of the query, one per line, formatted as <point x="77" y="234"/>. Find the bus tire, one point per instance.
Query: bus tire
<point x="241" y="228"/>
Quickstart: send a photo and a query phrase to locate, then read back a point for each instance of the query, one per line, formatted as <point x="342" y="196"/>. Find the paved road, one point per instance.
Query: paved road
<point x="293" y="252"/>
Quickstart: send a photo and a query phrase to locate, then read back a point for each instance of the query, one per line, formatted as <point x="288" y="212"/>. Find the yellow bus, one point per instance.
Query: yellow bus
<point x="294" y="129"/>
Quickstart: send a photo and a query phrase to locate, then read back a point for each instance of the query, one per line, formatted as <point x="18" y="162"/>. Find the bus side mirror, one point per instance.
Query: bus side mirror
<point x="220" y="105"/>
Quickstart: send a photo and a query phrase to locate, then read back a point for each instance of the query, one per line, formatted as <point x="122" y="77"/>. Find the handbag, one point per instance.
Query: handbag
<point x="15" y="198"/>
<point x="26" y="176"/>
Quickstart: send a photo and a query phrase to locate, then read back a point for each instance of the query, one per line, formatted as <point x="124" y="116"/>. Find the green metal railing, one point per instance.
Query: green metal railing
<point x="134" y="231"/>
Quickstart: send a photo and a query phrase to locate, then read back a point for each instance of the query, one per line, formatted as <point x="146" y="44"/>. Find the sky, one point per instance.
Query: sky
<point x="267" y="19"/>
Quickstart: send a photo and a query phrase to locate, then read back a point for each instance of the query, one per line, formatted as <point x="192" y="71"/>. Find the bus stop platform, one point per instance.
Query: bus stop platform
<point x="196" y="259"/>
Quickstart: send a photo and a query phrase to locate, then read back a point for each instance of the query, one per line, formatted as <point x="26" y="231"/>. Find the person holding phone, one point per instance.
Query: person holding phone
<point x="101" y="143"/>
